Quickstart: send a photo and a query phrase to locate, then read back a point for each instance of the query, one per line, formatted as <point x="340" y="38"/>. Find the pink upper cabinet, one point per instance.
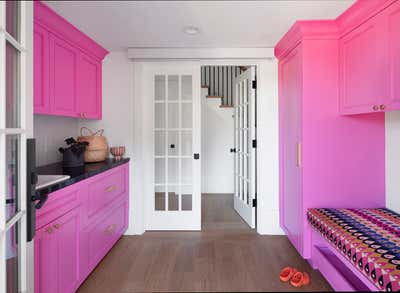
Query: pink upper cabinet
<point x="369" y="63"/>
<point x="41" y="70"/>
<point x="63" y="81"/>
<point x="67" y="69"/>
<point x="89" y="87"/>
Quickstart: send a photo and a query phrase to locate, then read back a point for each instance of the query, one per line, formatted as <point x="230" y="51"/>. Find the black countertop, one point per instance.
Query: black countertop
<point x="77" y="173"/>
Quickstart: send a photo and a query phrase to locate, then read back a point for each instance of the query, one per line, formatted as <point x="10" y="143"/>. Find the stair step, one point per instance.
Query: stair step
<point x="214" y="97"/>
<point x="225" y="106"/>
<point x="205" y="86"/>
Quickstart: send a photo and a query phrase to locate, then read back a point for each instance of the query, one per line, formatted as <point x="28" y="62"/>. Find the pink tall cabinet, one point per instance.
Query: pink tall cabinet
<point x="326" y="159"/>
<point x="67" y="68"/>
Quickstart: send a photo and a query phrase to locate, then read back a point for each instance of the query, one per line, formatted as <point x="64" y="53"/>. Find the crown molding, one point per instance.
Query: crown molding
<point x="199" y="53"/>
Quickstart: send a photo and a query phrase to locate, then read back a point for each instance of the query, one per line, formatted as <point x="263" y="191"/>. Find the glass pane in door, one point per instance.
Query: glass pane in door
<point x="173" y="198"/>
<point x="12" y="87"/>
<point x="186" y="87"/>
<point x="159" y="87"/>
<point x="12" y="173"/>
<point x="159" y="115"/>
<point x="12" y="259"/>
<point x="159" y="198"/>
<point x="173" y="87"/>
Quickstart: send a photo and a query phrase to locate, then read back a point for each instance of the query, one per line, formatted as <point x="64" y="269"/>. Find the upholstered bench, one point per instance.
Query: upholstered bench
<point x="363" y="251"/>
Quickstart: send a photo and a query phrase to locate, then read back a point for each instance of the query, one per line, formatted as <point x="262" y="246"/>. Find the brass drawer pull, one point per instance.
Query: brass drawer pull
<point x="382" y="107"/>
<point x="375" y="108"/>
<point x="110" y="229"/>
<point x="111" y="188"/>
<point x="49" y="230"/>
<point x="57" y="226"/>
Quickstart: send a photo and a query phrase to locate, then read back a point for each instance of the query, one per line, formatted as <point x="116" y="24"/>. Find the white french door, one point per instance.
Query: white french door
<point x="245" y="151"/>
<point x="173" y="104"/>
<point x="12" y="147"/>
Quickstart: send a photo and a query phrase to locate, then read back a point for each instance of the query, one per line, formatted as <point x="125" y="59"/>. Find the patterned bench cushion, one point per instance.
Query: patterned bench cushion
<point x="368" y="238"/>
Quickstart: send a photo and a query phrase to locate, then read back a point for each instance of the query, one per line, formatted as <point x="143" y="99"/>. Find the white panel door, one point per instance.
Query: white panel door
<point x="245" y="152"/>
<point x="12" y="147"/>
<point x="173" y="195"/>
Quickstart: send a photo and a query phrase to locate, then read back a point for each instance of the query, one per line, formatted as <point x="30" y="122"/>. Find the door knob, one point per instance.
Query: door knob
<point x="375" y="108"/>
<point x="382" y="107"/>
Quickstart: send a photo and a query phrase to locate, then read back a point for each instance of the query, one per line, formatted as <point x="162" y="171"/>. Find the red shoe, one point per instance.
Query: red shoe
<point x="287" y="273"/>
<point x="306" y="279"/>
<point x="300" y="279"/>
<point x="297" y="280"/>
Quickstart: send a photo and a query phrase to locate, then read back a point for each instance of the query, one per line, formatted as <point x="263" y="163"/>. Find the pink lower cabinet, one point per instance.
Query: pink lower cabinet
<point x="326" y="160"/>
<point x="57" y="255"/>
<point x="76" y="228"/>
<point x="100" y="236"/>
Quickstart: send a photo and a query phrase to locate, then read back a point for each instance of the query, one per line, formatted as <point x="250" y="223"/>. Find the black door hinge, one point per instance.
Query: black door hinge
<point x="254" y="84"/>
<point x="254" y="202"/>
<point x="233" y="150"/>
<point x="254" y="143"/>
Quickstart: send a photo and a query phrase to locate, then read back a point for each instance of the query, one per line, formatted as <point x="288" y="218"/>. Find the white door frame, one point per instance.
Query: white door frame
<point x="25" y="47"/>
<point x="268" y="156"/>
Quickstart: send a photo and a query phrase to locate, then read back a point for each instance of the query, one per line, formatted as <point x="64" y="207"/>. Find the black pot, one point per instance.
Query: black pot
<point x="73" y="155"/>
<point x="72" y="159"/>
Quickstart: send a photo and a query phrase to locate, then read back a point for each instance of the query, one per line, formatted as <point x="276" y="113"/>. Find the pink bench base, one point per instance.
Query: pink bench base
<point x="337" y="270"/>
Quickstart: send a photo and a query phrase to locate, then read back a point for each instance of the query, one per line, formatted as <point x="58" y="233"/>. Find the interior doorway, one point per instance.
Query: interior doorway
<point x="228" y="97"/>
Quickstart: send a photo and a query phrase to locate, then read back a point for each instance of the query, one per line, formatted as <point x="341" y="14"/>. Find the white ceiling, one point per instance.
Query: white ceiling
<point x="121" y="24"/>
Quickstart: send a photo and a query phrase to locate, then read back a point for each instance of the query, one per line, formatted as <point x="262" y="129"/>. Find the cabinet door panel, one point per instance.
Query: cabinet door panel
<point x="68" y="251"/>
<point x="89" y="89"/>
<point x="290" y="135"/>
<point x="41" y="70"/>
<point x="57" y="255"/>
<point x="393" y="18"/>
<point x="363" y="68"/>
<point x="46" y="264"/>
<point x="63" y="79"/>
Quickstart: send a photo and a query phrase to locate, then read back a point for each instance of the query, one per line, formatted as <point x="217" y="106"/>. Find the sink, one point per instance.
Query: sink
<point x="47" y="180"/>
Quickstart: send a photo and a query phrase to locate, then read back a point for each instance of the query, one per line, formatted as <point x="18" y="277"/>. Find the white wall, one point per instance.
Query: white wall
<point x="117" y="120"/>
<point x="217" y="138"/>
<point x="50" y="133"/>
<point x="268" y="148"/>
<point x="393" y="161"/>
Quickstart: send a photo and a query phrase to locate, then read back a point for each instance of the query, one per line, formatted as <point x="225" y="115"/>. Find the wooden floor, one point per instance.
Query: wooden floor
<point x="225" y="256"/>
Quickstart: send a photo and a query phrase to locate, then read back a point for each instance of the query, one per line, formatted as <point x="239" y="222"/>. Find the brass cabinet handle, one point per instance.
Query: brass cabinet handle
<point x="49" y="230"/>
<point x="298" y="154"/>
<point x="110" y="229"/>
<point x="382" y="107"/>
<point x="110" y="188"/>
<point x="375" y="108"/>
<point x="57" y="226"/>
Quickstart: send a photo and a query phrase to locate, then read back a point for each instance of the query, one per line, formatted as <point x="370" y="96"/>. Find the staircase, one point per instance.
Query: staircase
<point x="219" y="81"/>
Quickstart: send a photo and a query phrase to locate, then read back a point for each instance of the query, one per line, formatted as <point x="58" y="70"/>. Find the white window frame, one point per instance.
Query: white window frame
<point x="21" y="215"/>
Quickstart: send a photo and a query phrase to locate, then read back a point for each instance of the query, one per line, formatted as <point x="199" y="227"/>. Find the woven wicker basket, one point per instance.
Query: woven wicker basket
<point x="97" y="150"/>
